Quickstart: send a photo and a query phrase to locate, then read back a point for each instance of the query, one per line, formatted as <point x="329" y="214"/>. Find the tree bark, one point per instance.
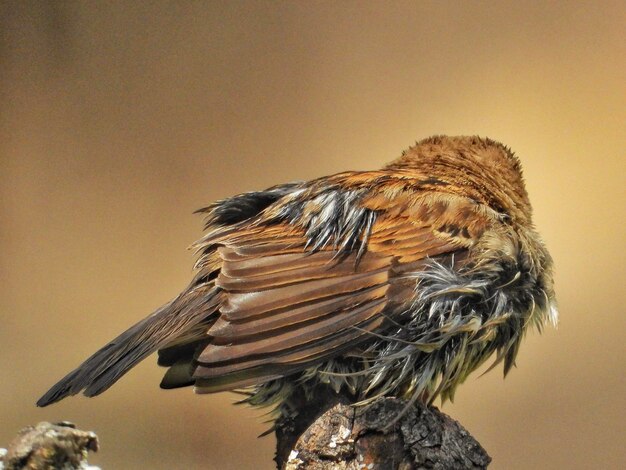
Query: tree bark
<point x="330" y="433"/>
<point x="49" y="446"/>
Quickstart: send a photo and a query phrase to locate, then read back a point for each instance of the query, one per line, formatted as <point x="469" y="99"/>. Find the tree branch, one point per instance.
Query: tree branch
<point x="326" y="433"/>
<point x="48" y="446"/>
<point x="330" y="433"/>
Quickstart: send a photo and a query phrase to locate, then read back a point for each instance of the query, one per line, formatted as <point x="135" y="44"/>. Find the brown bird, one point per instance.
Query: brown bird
<point x="396" y="282"/>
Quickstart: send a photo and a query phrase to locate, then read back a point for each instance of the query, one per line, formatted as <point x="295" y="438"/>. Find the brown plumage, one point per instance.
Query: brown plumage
<point x="399" y="281"/>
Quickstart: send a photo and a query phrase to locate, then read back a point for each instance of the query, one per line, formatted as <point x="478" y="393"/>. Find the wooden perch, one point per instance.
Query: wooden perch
<point x="330" y="433"/>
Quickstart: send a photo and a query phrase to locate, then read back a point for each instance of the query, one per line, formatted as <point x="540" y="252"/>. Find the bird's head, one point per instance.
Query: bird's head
<point x="475" y="167"/>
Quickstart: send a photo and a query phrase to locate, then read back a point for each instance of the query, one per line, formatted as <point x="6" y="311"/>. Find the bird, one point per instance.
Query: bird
<point x="394" y="282"/>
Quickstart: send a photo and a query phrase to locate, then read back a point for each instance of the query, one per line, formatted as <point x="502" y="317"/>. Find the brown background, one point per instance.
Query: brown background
<point x="119" y="119"/>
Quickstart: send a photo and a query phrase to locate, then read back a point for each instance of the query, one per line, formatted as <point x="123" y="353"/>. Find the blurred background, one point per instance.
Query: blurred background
<point x="118" y="119"/>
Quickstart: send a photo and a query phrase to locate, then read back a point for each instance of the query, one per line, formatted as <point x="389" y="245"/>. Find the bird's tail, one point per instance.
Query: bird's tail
<point x="173" y="322"/>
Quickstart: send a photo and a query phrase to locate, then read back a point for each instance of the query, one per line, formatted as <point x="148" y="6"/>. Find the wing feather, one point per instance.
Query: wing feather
<point x="289" y="300"/>
<point x="220" y="377"/>
<point x="276" y="341"/>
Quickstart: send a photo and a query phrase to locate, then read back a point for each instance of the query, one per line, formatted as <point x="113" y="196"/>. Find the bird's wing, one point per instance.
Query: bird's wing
<point x="313" y="277"/>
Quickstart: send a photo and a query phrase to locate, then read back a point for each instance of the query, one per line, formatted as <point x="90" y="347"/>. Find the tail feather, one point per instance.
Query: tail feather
<point x="105" y="367"/>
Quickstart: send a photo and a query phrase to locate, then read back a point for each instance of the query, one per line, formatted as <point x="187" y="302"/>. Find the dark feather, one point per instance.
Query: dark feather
<point x="110" y="363"/>
<point x="245" y="206"/>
